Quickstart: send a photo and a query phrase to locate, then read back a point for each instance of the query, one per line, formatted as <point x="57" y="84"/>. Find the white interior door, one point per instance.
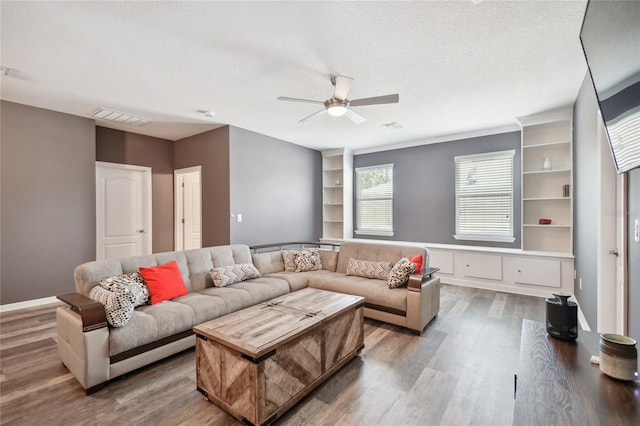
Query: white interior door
<point x="123" y="210"/>
<point x="188" y="208"/>
<point x="608" y="248"/>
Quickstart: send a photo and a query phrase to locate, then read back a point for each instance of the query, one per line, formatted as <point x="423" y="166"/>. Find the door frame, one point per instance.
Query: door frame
<point x="178" y="240"/>
<point x="147" y="206"/>
<point x="622" y="282"/>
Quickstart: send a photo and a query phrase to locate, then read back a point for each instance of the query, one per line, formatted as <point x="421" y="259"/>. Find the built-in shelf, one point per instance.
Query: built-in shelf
<point x="547" y="145"/>
<point x="336" y="194"/>
<point x="540" y="172"/>
<point x="547" y="199"/>
<point x="547" y="141"/>
<point x="546" y="226"/>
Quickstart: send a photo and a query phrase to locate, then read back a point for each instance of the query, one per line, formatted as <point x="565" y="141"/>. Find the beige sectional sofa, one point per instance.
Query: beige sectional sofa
<point x="96" y="352"/>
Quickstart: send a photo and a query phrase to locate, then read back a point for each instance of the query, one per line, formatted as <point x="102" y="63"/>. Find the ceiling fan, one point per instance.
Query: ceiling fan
<point x="338" y="105"/>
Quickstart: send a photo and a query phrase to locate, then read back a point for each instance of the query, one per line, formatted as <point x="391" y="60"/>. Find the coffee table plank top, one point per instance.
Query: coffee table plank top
<point x="257" y="330"/>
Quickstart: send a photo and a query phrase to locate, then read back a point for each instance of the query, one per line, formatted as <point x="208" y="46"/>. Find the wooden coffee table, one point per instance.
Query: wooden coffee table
<point x="258" y="362"/>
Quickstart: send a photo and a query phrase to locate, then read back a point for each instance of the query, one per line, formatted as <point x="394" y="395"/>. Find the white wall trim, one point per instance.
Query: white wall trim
<point x="28" y="304"/>
<point x="582" y="320"/>
<point x="501" y="287"/>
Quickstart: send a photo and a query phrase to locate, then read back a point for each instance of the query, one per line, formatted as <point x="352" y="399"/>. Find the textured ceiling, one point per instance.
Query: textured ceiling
<point x="459" y="66"/>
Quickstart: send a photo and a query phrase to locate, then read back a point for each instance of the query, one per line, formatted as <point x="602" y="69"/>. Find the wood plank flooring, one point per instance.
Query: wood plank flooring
<point x="458" y="372"/>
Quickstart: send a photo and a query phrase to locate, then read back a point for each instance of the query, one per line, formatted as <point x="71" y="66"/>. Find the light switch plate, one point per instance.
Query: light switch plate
<point x="636" y="233"/>
<point x="239" y="217"/>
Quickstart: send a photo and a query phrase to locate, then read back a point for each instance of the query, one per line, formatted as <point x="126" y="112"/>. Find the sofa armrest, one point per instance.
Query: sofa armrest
<point x="417" y="280"/>
<point x="91" y="311"/>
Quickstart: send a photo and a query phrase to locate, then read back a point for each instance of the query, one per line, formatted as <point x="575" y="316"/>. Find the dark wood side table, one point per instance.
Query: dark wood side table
<point x="557" y="384"/>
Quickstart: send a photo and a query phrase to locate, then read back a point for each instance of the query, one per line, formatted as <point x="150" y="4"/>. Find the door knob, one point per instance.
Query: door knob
<point x="141" y="231"/>
<point x="614" y="252"/>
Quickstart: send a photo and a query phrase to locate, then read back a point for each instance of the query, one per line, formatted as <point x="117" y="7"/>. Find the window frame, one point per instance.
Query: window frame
<point x="372" y="231"/>
<point x="508" y="237"/>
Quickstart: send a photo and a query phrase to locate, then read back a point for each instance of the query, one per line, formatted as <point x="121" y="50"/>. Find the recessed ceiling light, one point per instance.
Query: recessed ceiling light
<point x="120" y="117"/>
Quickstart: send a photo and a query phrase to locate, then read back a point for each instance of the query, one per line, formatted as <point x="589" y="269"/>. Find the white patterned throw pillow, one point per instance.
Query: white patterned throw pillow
<point x="232" y="274"/>
<point x="307" y="260"/>
<point x="400" y="273"/>
<point x="369" y="269"/>
<point x="133" y="283"/>
<point x="118" y="306"/>
<point x="289" y="258"/>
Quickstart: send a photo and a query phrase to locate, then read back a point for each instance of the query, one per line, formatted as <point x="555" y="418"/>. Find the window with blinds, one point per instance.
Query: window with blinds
<point x="484" y="196"/>
<point x="374" y="200"/>
<point x="625" y="141"/>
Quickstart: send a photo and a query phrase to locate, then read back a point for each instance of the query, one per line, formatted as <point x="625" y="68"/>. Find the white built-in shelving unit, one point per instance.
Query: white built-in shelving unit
<point x="547" y="173"/>
<point x="337" y="192"/>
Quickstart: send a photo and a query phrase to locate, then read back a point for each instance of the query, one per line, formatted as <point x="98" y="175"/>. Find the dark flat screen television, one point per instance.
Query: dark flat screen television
<point x="610" y="38"/>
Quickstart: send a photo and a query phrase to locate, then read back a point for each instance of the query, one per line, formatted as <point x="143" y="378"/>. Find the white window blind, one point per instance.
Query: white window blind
<point x="484" y="196"/>
<point x="374" y="200"/>
<point x="625" y="135"/>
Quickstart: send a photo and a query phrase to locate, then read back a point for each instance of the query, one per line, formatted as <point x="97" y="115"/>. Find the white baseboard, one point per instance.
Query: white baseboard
<point x="28" y="304"/>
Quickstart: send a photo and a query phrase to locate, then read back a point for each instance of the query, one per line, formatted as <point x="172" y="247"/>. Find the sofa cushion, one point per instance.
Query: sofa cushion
<point x="231" y="274"/>
<point x="401" y="272"/>
<point x="118" y="305"/>
<point x="368" y="269"/>
<point x="164" y="282"/>
<point x="329" y="259"/>
<point x="375" y="292"/>
<point x="298" y="280"/>
<point x="132" y="283"/>
<point x="307" y="260"/>
<point x="268" y="262"/>
<point x="150" y="323"/>
<point x="204" y="307"/>
<point x="199" y="263"/>
<point x="248" y="293"/>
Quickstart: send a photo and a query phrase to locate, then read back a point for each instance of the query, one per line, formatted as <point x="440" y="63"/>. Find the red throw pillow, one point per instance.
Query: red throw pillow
<point x="418" y="261"/>
<point x="164" y="282"/>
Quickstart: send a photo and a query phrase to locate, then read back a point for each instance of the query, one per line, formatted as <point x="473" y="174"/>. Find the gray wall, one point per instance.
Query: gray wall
<point x="48" y="200"/>
<point x="211" y="151"/>
<point x="585" y="209"/>
<point x="424" y="187"/>
<point x="633" y="247"/>
<point x="117" y="146"/>
<point x="276" y="186"/>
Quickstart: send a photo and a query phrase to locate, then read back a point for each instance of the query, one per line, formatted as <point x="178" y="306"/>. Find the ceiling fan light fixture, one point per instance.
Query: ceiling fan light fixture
<point x="336" y="108"/>
<point x="337" y="111"/>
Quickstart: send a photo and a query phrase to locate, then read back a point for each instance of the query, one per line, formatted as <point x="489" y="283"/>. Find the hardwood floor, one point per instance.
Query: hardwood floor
<point x="458" y="372"/>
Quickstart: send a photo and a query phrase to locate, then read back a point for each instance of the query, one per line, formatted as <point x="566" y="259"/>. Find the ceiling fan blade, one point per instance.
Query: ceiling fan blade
<point x="309" y="101"/>
<point x="386" y="99"/>
<point x="343" y="85"/>
<point x="313" y="115"/>
<point x="354" y="116"/>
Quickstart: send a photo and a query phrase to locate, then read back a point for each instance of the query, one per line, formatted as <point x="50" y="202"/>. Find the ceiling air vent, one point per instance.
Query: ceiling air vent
<point x="120" y="117"/>
<point x="393" y="125"/>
